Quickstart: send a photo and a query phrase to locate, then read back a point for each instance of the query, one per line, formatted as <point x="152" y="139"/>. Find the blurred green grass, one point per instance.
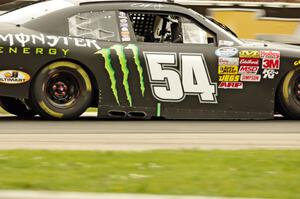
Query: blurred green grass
<point x="256" y="173"/>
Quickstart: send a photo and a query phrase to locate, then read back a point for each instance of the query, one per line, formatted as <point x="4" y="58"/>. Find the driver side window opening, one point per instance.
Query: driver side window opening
<point x="168" y="28"/>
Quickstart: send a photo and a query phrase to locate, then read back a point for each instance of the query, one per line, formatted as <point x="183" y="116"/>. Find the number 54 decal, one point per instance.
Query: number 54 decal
<point x="170" y="84"/>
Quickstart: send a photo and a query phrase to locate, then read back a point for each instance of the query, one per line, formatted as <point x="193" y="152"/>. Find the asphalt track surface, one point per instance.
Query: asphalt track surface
<point x="89" y="133"/>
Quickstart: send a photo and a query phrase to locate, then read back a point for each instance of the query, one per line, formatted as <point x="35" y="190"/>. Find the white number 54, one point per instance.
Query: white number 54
<point x="170" y="84"/>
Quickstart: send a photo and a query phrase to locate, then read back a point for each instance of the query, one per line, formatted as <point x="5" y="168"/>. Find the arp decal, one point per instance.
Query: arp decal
<point x="120" y="50"/>
<point x="249" y="54"/>
<point x="172" y="82"/>
<point x="13" y="77"/>
<point x="33" y="51"/>
<point x="229" y="78"/>
<point x="228" y="70"/>
<point x="51" y="41"/>
<point x="231" y="85"/>
<point x="249" y="62"/>
<point x="226" y="52"/>
<point x="228" y="61"/>
<point x="250" y="78"/>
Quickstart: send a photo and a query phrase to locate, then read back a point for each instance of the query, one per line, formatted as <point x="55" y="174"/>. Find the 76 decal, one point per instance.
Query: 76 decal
<point x="172" y="83"/>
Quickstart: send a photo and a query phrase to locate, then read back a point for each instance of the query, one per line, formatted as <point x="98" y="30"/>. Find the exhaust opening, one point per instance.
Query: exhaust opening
<point x="137" y="114"/>
<point x="117" y="114"/>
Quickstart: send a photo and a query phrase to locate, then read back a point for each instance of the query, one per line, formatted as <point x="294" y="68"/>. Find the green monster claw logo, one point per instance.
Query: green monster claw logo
<point x="120" y="50"/>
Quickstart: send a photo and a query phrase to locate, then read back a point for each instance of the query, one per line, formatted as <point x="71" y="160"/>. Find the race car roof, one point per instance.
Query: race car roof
<point x="100" y="1"/>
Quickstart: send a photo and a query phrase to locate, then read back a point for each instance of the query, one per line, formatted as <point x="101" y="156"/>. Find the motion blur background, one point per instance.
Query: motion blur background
<point x="276" y="21"/>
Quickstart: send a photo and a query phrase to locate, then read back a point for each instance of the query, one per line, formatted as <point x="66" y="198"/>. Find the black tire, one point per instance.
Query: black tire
<point x="16" y="107"/>
<point x="288" y="95"/>
<point x="62" y="90"/>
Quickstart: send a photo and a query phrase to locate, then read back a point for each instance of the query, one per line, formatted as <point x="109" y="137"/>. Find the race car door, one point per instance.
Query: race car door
<point x="180" y="61"/>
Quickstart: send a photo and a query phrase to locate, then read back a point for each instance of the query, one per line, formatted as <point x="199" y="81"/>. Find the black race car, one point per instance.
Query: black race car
<point x="140" y="59"/>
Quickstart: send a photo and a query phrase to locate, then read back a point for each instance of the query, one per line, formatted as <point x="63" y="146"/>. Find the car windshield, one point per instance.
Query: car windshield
<point x="30" y="12"/>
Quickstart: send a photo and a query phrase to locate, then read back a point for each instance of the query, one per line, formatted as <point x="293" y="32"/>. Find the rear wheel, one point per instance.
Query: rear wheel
<point x="288" y="96"/>
<point x="61" y="90"/>
<point x="16" y="107"/>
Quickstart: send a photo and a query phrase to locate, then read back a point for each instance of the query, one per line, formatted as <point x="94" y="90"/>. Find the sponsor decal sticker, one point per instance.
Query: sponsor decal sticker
<point x="229" y="78"/>
<point x="297" y="63"/>
<point x="33" y="51"/>
<point x="269" y="54"/>
<point x="269" y="73"/>
<point x="248" y="69"/>
<point x="228" y="70"/>
<point x="226" y="52"/>
<point x="48" y="40"/>
<point x="225" y="43"/>
<point x="120" y="51"/>
<point x="249" y="62"/>
<point x="231" y="85"/>
<point x="125" y="35"/>
<point x="273" y="64"/>
<point x="249" y="54"/>
<point x="228" y="61"/>
<point x="13" y="77"/>
<point x="250" y="78"/>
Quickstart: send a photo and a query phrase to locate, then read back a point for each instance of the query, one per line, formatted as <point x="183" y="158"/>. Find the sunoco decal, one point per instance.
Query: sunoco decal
<point x="120" y="50"/>
<point x="226" y="52"/>
<point x="13" y="77"/>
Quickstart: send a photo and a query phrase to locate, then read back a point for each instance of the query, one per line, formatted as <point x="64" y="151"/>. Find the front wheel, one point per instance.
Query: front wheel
<point x="288" y="95"/>
<point x="61" y="90"/>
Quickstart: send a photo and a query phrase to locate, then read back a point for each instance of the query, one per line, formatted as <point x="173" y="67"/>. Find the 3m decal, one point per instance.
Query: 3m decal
<point x="250" y="78"/>
<point x="249" y="54"/>
<point x="120" y="51"/>
<point x="271" y="64"/>
<point x="269" y="73"/>
<point x="229" y="78"/>
<point x="13" y="77"/>
<point x="226" y="52"/>
<point x="231" y="85"/>
<point x="297" y="63"/>
<point x="171" y="84"/>
<point x="248" y="69"/>
<point x="269" y="54"/>
<point x="33" y="51"/>
<point x="249" y="62"/>
<point x="228" y="61"/>
<point x="228" y="70"/>
<point x="51" y="41"/>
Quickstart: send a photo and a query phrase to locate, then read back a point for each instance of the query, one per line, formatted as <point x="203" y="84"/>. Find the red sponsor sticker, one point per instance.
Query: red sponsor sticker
<point x="248" y="69"/>
<point x="269" y="54"/>
<point x="231" y="85"/>
<point x="249" y="62"/>
<point x="250" y="78"/>
<point x="271" y="64"/>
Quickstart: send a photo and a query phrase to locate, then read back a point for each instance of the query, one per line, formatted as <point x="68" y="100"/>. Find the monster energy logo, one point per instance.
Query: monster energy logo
<point x="120" y="50"/>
